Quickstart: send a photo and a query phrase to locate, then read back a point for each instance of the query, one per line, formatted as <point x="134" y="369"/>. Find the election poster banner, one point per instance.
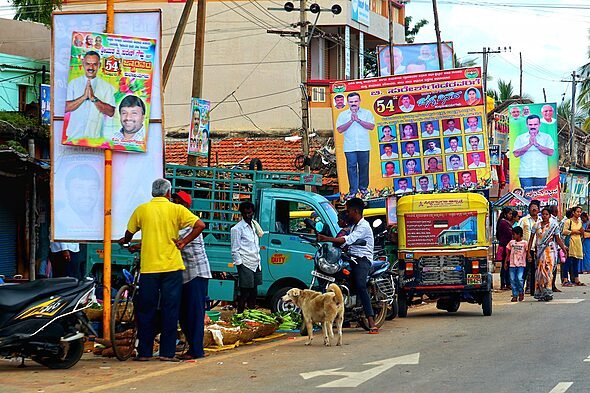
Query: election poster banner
<point x="46" y="105"/>
<point x="411" y="58"/>
<point x="410" y="133"/>
<point x="77" y="172"/>
<point x="198" y="138"/>
<point x="432" y="229"/>
<point x="501" y="131"/>
<point x="534" y="155"/>
<point x="108" y="95"/>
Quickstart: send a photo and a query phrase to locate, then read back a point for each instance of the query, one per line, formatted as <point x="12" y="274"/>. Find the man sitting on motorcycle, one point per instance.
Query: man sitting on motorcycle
<point x="362" y="255"/>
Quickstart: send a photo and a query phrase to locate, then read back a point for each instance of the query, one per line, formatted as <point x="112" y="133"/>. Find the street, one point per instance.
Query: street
<point x="526" y="347"/>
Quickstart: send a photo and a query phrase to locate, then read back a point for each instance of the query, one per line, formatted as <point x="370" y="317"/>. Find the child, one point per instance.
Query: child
<point x="516" y="252"/>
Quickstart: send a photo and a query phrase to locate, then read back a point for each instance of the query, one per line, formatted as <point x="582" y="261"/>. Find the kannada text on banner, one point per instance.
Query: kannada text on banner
<point x="411" y="133"/>
<point x="109" y="91"/>
<point x="434" y="229"/>
<point x="534" y="156"/>
<point x="198" y="142"/>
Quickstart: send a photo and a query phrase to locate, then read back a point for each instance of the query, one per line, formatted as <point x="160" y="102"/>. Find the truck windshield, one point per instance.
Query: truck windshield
<point x="331" y="212"/>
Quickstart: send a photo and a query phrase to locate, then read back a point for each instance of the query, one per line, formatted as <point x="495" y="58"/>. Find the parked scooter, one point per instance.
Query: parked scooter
<point x="332" y="265"/>
<point x="43" y="320"/>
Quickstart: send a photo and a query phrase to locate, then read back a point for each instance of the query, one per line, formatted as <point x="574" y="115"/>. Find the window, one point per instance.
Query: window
<point x="318" y="94"/>
<point x="295" y="218"/>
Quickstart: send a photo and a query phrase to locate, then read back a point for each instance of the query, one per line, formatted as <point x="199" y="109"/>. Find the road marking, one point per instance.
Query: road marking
<point x="587" y="359"/>
<point x="561" y="387"/>
<point x="565" y="301"/>
<point x="352" y="379"/>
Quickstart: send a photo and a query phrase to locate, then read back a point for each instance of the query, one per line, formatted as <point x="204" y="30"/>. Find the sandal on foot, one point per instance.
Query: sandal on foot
<point x="142" y="359"/>
<point x="579" y="284"/>
<point x="167" y="359"/>
<point x="374" y="330"/>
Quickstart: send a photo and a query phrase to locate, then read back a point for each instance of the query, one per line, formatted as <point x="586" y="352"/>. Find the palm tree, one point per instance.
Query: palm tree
<point x="504" y="92"/>
<point x="35" y="10"/>
<point x="465" y="63"/>
<point x="564" y="109"/>
<point x="584" y="96"/>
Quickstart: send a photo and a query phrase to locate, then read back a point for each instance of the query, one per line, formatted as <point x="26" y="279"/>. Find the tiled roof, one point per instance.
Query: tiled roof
<point x="276" y="154"/>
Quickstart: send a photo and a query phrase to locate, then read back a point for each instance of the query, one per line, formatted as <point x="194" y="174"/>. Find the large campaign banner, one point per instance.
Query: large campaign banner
<point x="198" y="138"/>
<point x="411" y="133"/>
<point x="77" y="172"/>
<point x="109" y="89"/>
<point x="411" y="58"/>
<point x="534" y="154"/>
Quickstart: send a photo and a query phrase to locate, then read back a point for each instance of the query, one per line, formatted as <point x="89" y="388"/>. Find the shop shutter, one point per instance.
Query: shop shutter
<point x="7" y="240"/>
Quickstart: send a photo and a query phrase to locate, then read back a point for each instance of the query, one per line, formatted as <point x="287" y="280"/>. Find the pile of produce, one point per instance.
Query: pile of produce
<point x="290" y="320"/>
<point x="242" y="319"/>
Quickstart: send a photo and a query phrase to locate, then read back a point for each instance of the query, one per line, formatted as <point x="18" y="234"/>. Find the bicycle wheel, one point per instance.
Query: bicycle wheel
<point x="123" y="326"/>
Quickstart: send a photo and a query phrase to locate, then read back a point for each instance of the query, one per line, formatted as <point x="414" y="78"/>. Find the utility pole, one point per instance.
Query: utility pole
<point x="303" y="72"/>
<point x="171" y="56"/>
<point x="572" y="153"/>
<point x="391" y="36"/>
<point x="197" y="91"/>
<point x="438" y="39"/>
<point x="520" y="91"/>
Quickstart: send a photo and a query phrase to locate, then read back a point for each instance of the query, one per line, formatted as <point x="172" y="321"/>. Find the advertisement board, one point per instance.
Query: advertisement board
<point x="77" y="172"/>
<point x="411" y="58"/>
<point x="433" y="229"/>
<point x="108" y="94"/>
<point x="198" y="138"/>
<point x="46" y="105"/>
<point x="418" y="132"/>
<point x="501" y="131"/>
<point x="360" y="11"/>
<point x="534" y="156"/>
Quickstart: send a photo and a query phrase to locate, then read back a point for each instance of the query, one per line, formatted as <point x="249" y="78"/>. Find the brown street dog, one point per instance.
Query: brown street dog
<point x="316" y="307"/>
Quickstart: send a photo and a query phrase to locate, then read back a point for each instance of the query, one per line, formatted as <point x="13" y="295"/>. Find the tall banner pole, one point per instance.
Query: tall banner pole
<point x="108" y="185"/>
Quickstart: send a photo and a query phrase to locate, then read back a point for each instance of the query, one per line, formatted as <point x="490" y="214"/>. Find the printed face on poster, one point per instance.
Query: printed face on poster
<point x="198" y="141"/>
<point x="410" y="133"/>
<point x="45" y="105"/>
<point x="77" y="172"/>
<point x="534" y="154"/>
<point x="411" y="58"/>
<point x="109" y="89"/>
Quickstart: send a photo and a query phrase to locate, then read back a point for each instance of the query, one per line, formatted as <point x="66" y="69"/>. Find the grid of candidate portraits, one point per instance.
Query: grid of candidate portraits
<point x="433" y="154"/>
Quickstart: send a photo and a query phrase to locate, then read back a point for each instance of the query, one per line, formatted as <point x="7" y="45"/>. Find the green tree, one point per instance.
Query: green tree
<point x="411" y="32"/>
<point x="564" y="109"/>
<point x="504" y="92"/>
<point x="584" y="96"/>
<point x="465" y="63"/>
<point x="35" y="10"/>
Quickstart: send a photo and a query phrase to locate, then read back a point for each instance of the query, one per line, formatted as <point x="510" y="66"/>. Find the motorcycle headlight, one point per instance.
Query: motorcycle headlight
<point x="328" y="267"/>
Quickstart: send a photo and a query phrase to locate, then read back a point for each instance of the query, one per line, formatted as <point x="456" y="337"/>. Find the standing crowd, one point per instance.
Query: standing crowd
<point x="532" y="247"/>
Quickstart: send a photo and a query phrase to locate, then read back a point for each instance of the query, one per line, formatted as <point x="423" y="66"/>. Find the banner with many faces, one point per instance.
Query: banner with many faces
<point x="411" y="133"/>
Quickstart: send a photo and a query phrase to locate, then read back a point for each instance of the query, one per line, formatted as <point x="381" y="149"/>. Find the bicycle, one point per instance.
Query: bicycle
<point x="123" y="327"/>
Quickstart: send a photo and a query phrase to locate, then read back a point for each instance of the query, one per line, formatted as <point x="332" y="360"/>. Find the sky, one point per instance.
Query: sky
<point x="552" y="36"/>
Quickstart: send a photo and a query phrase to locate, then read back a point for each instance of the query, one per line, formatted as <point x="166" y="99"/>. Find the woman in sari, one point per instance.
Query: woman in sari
<point x="546" y="234"/>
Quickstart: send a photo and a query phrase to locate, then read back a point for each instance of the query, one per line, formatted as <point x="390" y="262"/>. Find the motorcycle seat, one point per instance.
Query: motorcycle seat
<point x="15" y="296"/>
<point x="377" y="265"/>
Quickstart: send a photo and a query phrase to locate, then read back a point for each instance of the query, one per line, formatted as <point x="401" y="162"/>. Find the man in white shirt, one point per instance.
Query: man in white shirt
<point x="429" y="130"/>
<point x="547" y="112"/>
<point x="432" y="148"/>
<point x="410" y="150"/>
<point x="65" y="259"/>
<point x="466" y="181"/>
<point x="451" y="130"/>
<point x="355" y="123"/>
<point x="406" y="104"/>
<point x="515" y="113"/>
<point x="453" y="145"/>
<point x="132" y="112"/>
<point x="425" y="184"/>
<point x="474" y="143"/>
<point x="88" y="100"/>
<point x="473" y="124"/>
<point x="363" y="255"/>
<point x="388" y="152"/>
<point x="402" y="186"/>
<point x="534" y="149"/>
<point x="455" y="162"/>
<point x="245" y="252"/>
<point x="476" y="161"/>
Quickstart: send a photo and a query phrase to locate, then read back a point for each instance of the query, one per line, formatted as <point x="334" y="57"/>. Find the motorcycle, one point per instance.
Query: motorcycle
<point x="44" y="320"/>
<point x="332" y="265"/>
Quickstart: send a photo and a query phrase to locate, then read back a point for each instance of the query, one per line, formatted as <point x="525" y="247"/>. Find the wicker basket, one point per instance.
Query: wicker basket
<point x="93" y="314"/>
<point x="207" y="339"/>
<point x="230" y="336"/>
<point x="248" y="333"/>
<point x="266" y="329"/>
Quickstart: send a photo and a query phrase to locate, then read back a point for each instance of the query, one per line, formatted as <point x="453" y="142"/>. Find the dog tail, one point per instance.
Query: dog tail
<point x="337" y="292"/>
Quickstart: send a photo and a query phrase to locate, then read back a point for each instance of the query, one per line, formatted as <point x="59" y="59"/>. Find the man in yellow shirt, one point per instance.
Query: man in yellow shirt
<point x="161" y="267"/>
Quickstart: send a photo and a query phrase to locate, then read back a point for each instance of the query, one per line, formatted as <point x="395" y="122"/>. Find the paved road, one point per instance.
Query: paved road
<point x="523" y="347"/>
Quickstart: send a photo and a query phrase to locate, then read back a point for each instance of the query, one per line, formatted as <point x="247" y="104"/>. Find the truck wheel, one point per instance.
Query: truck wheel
<point x="277" y="304"/>
<point x="402" y="303"/>
<point x="453" y="305"/>
<point x="486" y="304"/>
